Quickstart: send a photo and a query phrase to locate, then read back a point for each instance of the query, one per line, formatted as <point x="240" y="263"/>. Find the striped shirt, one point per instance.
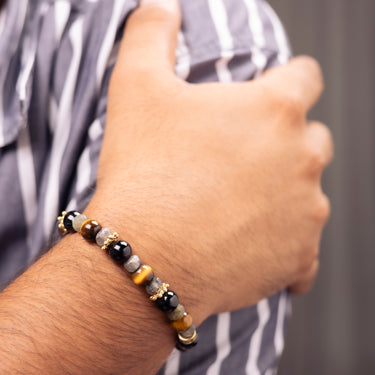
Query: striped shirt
<point x="56" y="57"/>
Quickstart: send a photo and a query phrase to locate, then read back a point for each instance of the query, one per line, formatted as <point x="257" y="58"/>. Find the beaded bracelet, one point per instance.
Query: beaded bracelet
<point x="121" y="252"/>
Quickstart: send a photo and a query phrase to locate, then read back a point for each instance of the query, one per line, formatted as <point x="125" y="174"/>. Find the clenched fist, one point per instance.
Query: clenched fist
<point x="221" y="181"/>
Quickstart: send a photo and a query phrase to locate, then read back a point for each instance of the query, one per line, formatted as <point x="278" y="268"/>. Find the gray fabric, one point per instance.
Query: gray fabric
<point x="55" y="64"/>
<point x="333" y="329"/>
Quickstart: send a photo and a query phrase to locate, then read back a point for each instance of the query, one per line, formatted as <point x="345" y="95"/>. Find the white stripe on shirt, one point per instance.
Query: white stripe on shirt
<point x="222" y="343"/>
<point x="2" y="18"/>
<point x="264" y="314"/>
<point x="108" y="41"/>
<point x="61" y="16"/>
<point x="173" y="363"/>
<point x="63" y="124"/>
<point x="26" y="175"/>
<point x="182" y="68"/>
<point x="220" y="19"/>
<point x="22" y="6"/>
<point x="256" y="28"/>
<point x="279" y="331"/>
<point x="281" y="40"/>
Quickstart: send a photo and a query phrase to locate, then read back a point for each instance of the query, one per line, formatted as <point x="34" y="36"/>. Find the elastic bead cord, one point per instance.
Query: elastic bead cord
<point x="121" y="252"/>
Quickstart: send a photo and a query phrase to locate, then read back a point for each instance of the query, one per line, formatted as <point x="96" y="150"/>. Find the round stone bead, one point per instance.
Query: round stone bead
<point x="189" y="332"/>
<point x="120" y="251"/>
<point x="68" y="220"/>
<point x="78" y="221"/>
<point x="132" y="264"/>
<point x="183" y="323"/>
<point x="143" y="275"/>
<point x="177" y="313"/>
<point x="90" y="229"/>
<point x="168" y="302"/>
<point x="182" y="346"/>
<point x="102" y="236"/>
<point x="154" y="286"/>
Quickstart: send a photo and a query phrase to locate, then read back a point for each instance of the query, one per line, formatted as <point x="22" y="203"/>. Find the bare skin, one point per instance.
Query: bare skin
<point x="217" y="187"/>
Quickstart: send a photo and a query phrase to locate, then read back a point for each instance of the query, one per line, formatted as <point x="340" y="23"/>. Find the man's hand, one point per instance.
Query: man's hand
<point x="224" y="179"/>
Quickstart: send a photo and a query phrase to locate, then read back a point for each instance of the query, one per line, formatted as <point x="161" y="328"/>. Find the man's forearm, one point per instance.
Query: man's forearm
<point x="74" y="311"/>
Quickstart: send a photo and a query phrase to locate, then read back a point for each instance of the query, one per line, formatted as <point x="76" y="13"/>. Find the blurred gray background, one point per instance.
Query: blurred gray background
<point x="333" y="328"/>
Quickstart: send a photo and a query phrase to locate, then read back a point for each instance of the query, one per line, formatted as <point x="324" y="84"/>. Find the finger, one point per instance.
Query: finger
<point x="307" y="281"/>
<point x="300" y="81"/>
<point x="150" y="36"/>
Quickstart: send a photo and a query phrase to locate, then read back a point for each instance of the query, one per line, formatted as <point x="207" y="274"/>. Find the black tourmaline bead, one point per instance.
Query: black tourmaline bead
<point x="120" y="251"/>
<point x="68" y="220"/>
<point x="168" y="302"/>
<point x="184" y="347"/>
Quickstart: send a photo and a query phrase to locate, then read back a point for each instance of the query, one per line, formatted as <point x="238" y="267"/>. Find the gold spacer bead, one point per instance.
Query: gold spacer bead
<point x="163" y="289"/>
<point x="60" y="218"/>
<point x="189" y="340"/>
<point x="61" y="226"/>
<point x="111" y="238"/>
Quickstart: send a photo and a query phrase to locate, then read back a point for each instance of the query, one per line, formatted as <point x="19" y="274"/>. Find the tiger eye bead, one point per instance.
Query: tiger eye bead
<point x="168" y="302"/>
<point x="68" y="220"/>
<point x="183" y="323"/>
<point x="90" y="229"/>
<point x="143" y="275"/>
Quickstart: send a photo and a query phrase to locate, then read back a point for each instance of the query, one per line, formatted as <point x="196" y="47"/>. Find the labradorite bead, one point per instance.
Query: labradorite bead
<point x="132" y="264"/>
<point x="78" y="221"/>
<point x="143" y="275"/>
<point x="120" y="251"/>
<point x="183" y="323"/>
<point x="102" y="236"/>
<point x="90" y="229"/>
<point x="168" y="302"/>
<point x="177" y="313"/>
<point x="189" y="332"/>
<point x="154" y="286"/>
<point x="68" y="220"/>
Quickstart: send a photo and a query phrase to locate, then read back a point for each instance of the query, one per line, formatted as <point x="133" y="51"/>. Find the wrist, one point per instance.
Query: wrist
<point x="160" y="248"/>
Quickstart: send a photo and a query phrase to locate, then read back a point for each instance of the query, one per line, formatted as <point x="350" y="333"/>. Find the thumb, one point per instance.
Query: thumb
<point x="150" y="36"/>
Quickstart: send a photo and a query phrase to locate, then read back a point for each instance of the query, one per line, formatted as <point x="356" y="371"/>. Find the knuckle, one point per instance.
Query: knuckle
<point x="329" y="142"/>
<point x="316" y="161"/>
<point x="322" y="209"/>
<point x="318" y="148"/>
<point x="292" y="106"/>
<point x="314" y="68"/>
<point x="287" y="105"/>
<point x="326" y="138"/>
<point x="309" y="262"/>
